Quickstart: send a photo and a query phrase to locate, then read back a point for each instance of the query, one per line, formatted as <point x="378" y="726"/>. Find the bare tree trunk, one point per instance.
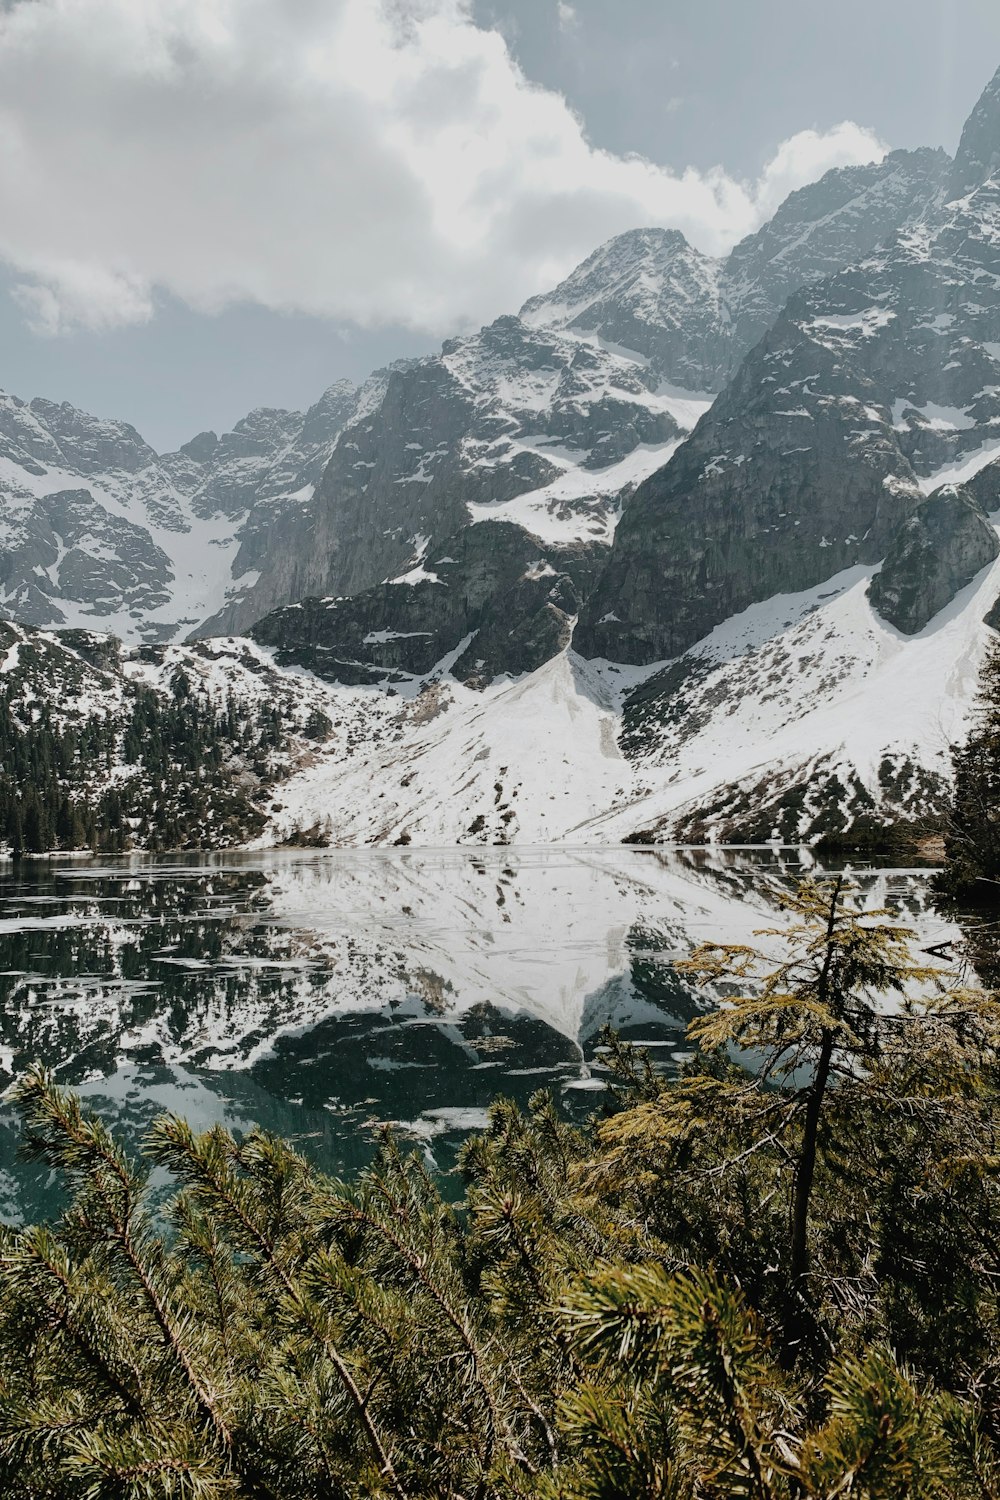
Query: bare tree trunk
<point x="807" y="1165"/>
<point x="806" y="1169"/>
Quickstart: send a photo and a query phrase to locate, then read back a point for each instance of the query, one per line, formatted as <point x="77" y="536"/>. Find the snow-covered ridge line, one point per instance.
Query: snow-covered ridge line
<point x="785" y="723"/>
<point x="101" y="532"/>
<point x="811" y="694"/>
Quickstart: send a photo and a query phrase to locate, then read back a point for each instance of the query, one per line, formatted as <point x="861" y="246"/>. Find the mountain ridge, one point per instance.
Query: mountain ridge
<point x="540" y="592"/>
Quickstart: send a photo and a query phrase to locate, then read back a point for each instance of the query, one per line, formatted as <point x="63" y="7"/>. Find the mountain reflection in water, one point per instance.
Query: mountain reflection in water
<point x="320" y="994"/>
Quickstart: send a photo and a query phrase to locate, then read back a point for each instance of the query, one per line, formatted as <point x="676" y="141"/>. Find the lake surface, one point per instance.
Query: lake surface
<point x="321" y="994"/>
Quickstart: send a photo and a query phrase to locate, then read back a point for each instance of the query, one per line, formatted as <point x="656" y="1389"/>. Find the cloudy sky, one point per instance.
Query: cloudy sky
<point x="207" y="205"/>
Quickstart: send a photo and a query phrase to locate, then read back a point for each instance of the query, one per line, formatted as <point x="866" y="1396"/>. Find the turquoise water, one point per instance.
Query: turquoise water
<point x="322" y="994"/>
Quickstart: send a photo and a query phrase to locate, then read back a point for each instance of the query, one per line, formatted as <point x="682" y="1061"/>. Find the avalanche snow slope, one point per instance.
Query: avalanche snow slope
<point x="523" y="762"/>
<point x="801" y="715"/>
<point x="788" y="722"/>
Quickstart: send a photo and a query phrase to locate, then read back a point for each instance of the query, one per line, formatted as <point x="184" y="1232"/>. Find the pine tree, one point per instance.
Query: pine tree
<point x="15" y="830"/>
<point x="37" y="839"/>
<point x="972" y="837"/>
<point x="811" y="1013"/>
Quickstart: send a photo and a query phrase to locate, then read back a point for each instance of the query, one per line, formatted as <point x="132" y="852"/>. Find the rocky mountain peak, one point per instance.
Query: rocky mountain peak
<point x="202" y="447"/>
<point x="614" y="270"/>
<point x="617" y="269"/>
<point x="327" y="416"/>
<point x="978" y="155"/>
<point x="646" y="290"/>
<point x="91" y="445"/>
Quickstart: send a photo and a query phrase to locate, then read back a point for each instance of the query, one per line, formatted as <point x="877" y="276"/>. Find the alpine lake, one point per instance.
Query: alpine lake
<point x="324" y="994"/>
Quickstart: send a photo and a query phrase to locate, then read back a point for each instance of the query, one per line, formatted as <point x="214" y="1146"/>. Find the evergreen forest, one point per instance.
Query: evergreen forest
<point x="170" y="772"/>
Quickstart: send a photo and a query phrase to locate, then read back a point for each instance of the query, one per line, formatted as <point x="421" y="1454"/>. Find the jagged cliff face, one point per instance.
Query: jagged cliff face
<point x="874" y="386"/>
<point x="794" y="475"/>
<point x="99" y="530"/>
<point x="492" y="600"/>
<point x="935" y="554"/>
<point x="694" y="317"/>
<point x="513" y="423"/>
<point x="978" y="155"/>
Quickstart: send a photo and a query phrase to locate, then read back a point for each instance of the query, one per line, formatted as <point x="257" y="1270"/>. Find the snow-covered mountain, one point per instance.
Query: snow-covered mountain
<point x="549" y="420"/>
<point x="694" y="318"/>
<point x="652" y="292"/>
<point x="783" y="639"/>
<point x="546" y="421"/>
<point x="543" y="586"/>
<point x="100" y="531"/>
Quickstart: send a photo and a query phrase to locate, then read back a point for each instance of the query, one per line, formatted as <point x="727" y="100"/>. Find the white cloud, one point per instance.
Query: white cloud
<point x="808" y="155"/>
<point x="566" y="15"/>
<point x="368" y="162"/>
<point x="69" y="294"/>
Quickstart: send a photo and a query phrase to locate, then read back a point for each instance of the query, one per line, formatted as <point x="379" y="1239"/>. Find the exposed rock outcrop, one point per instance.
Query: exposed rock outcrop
<point x="874" y="386"/>
<point x="820" y="229"/>
<point x="938" y="550"/>
<point x="794" y="475"/>
<point x="490" y="600"/>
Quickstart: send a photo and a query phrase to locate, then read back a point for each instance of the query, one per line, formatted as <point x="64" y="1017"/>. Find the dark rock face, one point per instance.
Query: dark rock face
<point x="70" y="546"/>
<point x="470" y="426"/>
<point x="984" y="487"/>
<point x="88" y="445"/>
<point x="102" y="652"/>
<point x="808" y="462"/>
<point x="793" y="475"/>
<point x="978" y="155"/>
<point x="937" y="551"/>
<point x="490" y="596"/>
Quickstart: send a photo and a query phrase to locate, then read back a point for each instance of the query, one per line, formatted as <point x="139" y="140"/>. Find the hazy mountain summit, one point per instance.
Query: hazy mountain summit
<point x="288" y="504"/>
<point x="101" y="531"/>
